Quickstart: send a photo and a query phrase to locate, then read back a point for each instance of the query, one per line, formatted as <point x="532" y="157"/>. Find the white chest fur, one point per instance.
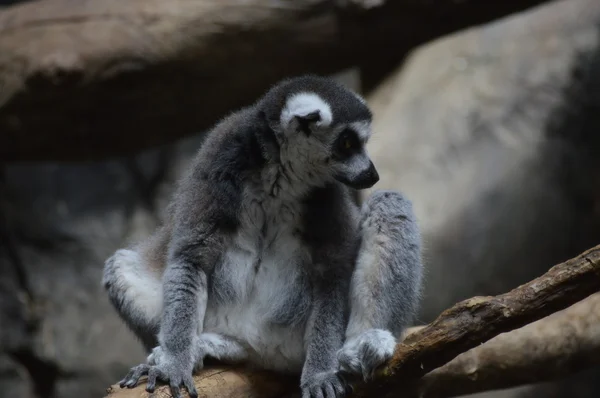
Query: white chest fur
<point x="261" y="292"/>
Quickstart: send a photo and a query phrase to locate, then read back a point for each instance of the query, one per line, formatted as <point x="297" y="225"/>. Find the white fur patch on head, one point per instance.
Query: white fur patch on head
<point x="362" y="128"/>
<point x="303" y="104"/>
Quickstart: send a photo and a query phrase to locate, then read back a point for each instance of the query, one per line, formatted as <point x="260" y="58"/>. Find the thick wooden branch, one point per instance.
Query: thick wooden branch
<point x="458" y="329"/>
<point x="476" y="320"/>
<point x="89" y="79"/>
<point x="561" y="344"/>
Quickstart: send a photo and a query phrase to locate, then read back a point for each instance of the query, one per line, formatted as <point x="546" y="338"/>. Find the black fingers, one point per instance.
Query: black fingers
<point x="154" y="374"/>
<point x="189" y="385"/>
<point x="134" y="376"/>
<point x="329" y="391"/>
<point x="126" y="378"/>
<point x="341" y="388"/>
<point x="348" y="388"/>
<point x="174" y="386"/>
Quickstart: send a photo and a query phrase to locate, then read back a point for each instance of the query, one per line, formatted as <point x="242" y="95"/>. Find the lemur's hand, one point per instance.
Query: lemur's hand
<point x="174" y="371"/>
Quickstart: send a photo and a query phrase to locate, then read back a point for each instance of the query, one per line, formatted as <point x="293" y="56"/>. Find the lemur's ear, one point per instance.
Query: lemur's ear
<point x="303" y="112"/>
<point x="305" y="121"/>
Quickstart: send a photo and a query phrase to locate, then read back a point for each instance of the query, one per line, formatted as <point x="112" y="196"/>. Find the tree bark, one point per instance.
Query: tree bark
<point x="561" y="344"/>
<point x="89" y="79"/>
<point x="462" y="327"/>
<point x="476" y="320"/>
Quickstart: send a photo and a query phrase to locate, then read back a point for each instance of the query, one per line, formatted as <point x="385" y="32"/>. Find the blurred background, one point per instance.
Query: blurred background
<point x="487" y="115"/>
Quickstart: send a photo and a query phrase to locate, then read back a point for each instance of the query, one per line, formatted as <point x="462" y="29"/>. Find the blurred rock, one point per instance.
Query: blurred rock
<point x="491" y="133"/>
<point x="14" y="381"/>
<point x="61" y="223"/>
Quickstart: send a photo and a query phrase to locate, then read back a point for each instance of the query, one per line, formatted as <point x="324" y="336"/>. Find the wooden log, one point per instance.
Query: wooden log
<point x="554" y="347"/>
<point x="476" y="320"/>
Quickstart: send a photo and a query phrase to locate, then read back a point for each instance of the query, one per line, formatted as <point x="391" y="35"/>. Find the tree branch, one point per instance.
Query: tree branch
<point x="458" y="329"/>
<point x="556" y="346"/>
<point x="476" y="320"/>
<point x="112" y="77"/>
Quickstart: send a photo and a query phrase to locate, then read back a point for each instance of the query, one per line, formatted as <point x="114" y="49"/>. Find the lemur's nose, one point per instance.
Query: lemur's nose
<point x="374" y="174"/>
<point x="367" y="178"/>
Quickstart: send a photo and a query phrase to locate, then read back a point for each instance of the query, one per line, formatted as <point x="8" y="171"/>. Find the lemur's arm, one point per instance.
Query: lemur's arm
<point x="324" y="337"/>
<point x="334" y="244"/>
<point x="185" y="298"/>
<point x="201" y="229"/>
<point x="386" y="284"/>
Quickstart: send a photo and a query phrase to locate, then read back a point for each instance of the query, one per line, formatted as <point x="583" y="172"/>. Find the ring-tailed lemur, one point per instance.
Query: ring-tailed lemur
<point x="265" y="258"/>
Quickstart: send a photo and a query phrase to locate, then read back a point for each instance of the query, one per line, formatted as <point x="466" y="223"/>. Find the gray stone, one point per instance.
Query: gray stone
<point x="487" y="132"/>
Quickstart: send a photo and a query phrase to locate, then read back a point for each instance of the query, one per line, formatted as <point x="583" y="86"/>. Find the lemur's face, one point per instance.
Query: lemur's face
<point x="349" y="156"/>
<point x="321" y="145"/>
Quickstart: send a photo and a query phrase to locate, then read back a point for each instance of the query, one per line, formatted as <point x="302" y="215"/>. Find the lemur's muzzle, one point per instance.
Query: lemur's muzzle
<point x="365" y="179"/>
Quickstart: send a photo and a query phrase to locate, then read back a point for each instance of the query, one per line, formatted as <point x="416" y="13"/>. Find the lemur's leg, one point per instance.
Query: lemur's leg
<point x="386" y="283"/>
<point x="135" y="289"/>
<point x="222" y="348"/>
<point x="136" y="293"/>
<point x="133" y="280"/>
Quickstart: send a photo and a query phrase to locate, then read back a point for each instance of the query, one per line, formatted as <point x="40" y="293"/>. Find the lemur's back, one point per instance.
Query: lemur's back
<point x="219" y="140"/>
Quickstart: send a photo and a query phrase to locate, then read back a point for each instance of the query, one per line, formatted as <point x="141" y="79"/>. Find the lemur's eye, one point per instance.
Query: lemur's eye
<point x="348" y="141"/>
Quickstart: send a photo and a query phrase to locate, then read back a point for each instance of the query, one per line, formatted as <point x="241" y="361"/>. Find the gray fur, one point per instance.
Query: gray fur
<point x="255" y="260"/>
<point x="386" y="284"/>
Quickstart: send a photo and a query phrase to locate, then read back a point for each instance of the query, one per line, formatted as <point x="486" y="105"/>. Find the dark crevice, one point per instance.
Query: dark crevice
<point x="147" y="187"/>
<point x="43" y="373"/>
<point x="574" y="130"/>
<point x="9" y="247"/>
<point x="42" y="243"/>
<point x="16" y="230"/>
<point x="4" y="3"/>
